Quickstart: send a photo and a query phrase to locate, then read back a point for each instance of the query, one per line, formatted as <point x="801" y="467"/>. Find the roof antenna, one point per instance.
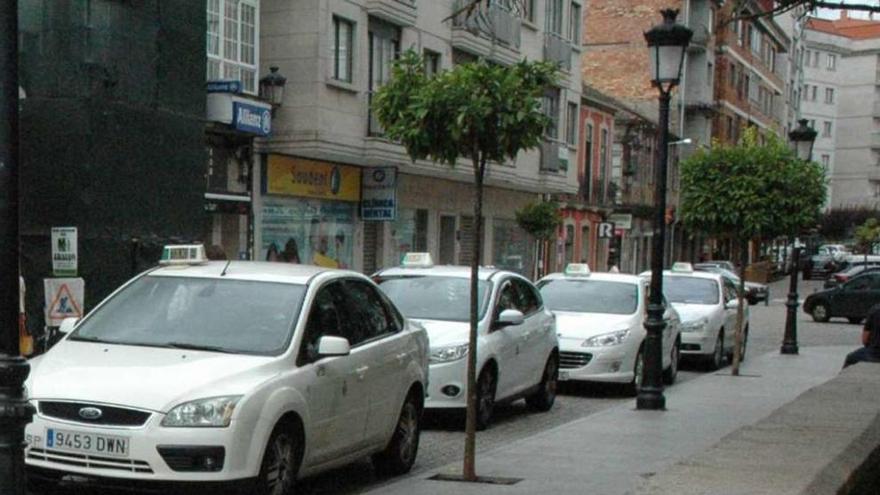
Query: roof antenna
<point x="223" y="273"/>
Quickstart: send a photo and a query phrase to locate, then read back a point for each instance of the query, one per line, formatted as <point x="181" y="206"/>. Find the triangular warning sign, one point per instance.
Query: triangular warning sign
<point x="64" y="305"/>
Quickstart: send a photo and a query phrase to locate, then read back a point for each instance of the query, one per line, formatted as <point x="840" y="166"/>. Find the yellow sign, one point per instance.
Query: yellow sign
<point x="301" y="177"/>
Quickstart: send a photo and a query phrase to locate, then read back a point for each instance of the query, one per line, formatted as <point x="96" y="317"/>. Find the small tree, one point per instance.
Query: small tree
<point x="867" y="236"/>
<point x="540" y="220"/>
<point x="750" y="191"/>
<point x="480" y="111"/>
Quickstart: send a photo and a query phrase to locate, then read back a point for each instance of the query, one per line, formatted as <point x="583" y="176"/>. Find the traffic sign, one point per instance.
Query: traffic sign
<point x="64" y="299"/>
<point x="606" y="230"/>
<point x="64" y="252"/>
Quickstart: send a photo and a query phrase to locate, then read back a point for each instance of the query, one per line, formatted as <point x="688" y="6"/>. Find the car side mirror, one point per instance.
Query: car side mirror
<point x="333" y="346"/>
<point x="67" y="325"/>
<point x="509" y="318"/>
<point x="732" y="304"/>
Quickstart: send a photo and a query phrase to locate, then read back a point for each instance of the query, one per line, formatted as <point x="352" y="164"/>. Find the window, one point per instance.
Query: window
<point x="569" y="243"/>
<point x="432" y="63"/>
<point x="711" y="26"/>
<point x="528" y="12"/>
<point x="553" y="17"/>
<point x="571" y="124"/>
<point x="826" y="129"/>
<point x="829" y="95"/>
<point x="232" y="42"/>
<point x="587" y="185"/>
<point x="813" y="90"/>
<point x="812" y="123"/>
<point x="585" y="243"/>
<point x="384" y="48"/>
<point x="876" y="186"/>
<point x="529" y="298"/>
<point x="324" y="319"/>
<point x="343" y="53"/>
<point x="603" y="163"/>
<point x="755" y="40"/>
<point x="816" y="58"/>
<point x="371" y="315"/>
<point x="731" y="130"/>
<point x="551" y="110"/>
<point x="831" y="62"/>
<point x="826" y="161"/>
<point x="574" y="24"/>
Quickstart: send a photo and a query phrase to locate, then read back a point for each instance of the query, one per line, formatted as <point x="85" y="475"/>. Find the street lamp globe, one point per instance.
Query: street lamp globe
<point x="272" y="87"/>
<point x="802" y="138"/>
<point x="667" y="43"/>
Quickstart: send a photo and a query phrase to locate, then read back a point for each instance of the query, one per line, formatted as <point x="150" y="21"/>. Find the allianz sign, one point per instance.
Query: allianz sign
<point x="251" y="118"/>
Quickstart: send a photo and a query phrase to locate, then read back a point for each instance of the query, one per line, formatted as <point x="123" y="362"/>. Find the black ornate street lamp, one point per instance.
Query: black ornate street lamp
<point x="667" y="43"/>
<point x="802" y="138"/>
<point x="272" y="87"/>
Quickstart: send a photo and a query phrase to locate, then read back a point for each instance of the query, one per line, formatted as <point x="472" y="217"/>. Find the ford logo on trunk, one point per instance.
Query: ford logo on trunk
<point x="90" y="413"/>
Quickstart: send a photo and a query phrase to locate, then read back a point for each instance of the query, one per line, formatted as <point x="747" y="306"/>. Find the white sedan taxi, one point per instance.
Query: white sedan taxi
<point x="227" y="373"/>
<point x="707" y="303"/>
<point x="516" y="335"/>
<point x="600" y="318"/>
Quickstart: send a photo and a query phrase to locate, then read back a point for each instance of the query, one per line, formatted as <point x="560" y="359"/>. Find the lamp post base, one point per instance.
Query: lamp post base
<point x="788" y="349"/>
<point x="651" y="399"/>
<point x="15" y="413"/>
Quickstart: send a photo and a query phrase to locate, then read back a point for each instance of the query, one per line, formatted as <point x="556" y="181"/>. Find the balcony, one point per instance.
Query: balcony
<point x="399" y="12"/>
<point x="557" y="49"/>
<point x="700" y="40"/>
<point x="492" y="31"/>
<point x="701" y="104"/>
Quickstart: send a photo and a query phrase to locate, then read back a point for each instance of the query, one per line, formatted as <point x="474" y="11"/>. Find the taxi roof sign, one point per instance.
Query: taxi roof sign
<point x="417" y="260"/>
<point x="682" y="267"/>
<point x="183" y="254"/>
<point x="577" y="269"/>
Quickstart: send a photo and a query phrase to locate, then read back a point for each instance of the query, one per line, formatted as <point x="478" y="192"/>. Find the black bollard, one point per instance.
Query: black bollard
<point x="15" y="413"/>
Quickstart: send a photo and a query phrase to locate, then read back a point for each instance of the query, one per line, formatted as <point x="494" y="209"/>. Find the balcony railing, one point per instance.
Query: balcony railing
<point x="400" y="12"/>
<point x="557" y="49"/>
<point x="700" y="39"/>
<point x="497" y="22"/>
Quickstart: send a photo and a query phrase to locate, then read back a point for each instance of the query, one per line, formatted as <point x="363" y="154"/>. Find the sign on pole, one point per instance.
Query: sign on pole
<point x="64" y="299"/>
<point x="64" y="262"/>
<point x="606" y="230"/>
<point x="379" y="194"/>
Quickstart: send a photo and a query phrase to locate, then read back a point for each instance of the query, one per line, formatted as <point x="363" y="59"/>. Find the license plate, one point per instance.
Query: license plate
<point x="89" y="443"/>
<point x="563" y="376"/>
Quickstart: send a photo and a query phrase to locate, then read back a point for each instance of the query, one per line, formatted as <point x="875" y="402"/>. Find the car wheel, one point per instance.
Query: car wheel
<point x="400" y="454"/>
<point x="820" y="313"/>
<point x="671" y="372"/>
<point x="716" y="361"/>
<point x="543" y="398"/>
<point x="280" y="461"/>
<point x="485" y="398"/>
<point x="638" y="373"/>
<point x="855" y="319"/>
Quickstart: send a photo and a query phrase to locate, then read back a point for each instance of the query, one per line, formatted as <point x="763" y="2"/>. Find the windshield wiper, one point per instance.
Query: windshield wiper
<point x="91" y="338"/>
<point x="198" y="347"/>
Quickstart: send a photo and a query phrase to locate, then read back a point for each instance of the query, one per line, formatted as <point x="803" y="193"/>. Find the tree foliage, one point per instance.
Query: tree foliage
<point x="540" y="219"/>
<point x="868" y="235"/>
<point x="751" y="190"/>
<point x="838" y="224"/>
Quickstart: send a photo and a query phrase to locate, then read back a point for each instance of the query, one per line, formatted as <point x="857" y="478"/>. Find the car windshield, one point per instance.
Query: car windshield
<point x="221" y="315"/>
<point x="590" y="296"/>
<point x="690" y="290"/>
<point x="718" y="269"/>
<point x="435" y="298"/>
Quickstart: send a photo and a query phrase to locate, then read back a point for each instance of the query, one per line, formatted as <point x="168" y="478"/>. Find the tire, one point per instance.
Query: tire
<point x="400" y="454"/>
<point x="486" y="385"/>
<point x="716" y="360"/>
<point x="281" y="461"/>
<point x="820" y="313"/>
<point x="671" y="372"/>
<point x="542" y="400"/>
<point x="855" y="320"/>
<point x="638" y="372"/>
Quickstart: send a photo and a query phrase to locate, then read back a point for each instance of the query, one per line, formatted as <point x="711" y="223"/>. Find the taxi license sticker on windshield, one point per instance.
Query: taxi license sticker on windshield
<point x="90" y="443"/>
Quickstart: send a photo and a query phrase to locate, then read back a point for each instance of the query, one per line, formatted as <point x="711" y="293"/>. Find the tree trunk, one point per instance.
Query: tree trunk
<point x="740" y="308"/>
<point x="469" y="472"/>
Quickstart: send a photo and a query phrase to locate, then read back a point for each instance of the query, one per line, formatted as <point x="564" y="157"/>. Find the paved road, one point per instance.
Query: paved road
<point x="443" y="440"/>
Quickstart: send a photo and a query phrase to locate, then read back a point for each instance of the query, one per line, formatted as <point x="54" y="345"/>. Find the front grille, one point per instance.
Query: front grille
<point x="568" y="360"/>
<point x="111" y="416"/>
<point x="89" y="461"/>
<point x="690" y="347"/>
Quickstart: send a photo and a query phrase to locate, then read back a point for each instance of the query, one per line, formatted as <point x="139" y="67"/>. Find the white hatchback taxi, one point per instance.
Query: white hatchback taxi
<point x="516" y="344"/>
<point x="600" y="318"/>
<point x="228" y="372"/>
<point x="707" y="303"/>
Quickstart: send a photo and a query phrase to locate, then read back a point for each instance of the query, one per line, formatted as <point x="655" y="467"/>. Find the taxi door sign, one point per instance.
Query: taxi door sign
<point x="64" y="299"/>
<point x="64" y="262"/>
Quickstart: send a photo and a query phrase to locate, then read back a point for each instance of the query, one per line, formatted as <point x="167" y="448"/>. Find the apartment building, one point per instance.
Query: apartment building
<point x="330" y="189"/>
<point x="751" y="72"/>
<point x="841" y="99"/>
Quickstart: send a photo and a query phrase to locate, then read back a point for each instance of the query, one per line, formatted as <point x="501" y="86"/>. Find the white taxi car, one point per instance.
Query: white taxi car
<point x="707" y="303"/>
<point x="249" y="372"/>
<point x="516" y="344"/>
<point x="600" y="318"/>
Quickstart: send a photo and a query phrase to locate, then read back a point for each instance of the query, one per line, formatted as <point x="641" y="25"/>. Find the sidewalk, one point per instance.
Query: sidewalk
<point x="609" y="452"/>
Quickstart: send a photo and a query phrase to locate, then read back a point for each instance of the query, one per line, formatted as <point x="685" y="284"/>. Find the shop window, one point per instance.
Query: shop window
<point x="308" y="231"/>
<point x="409" y="233"/>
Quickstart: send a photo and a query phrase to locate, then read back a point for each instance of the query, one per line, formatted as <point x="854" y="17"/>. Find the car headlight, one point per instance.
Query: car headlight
<point x="694" y="326"/>
<point x="606" y="339"/>
<point x="449" y="353"/>
<point x="211" y="412"/>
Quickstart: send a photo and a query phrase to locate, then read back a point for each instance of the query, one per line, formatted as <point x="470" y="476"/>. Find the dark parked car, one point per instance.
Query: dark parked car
<point x="848" y="273"/>
<point x="755" y="292"/>
<point x="727" y="265"/>
<point x="850" y="300"/>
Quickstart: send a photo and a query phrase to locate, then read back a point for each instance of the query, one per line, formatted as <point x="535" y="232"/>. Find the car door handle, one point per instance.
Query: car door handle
<point x="361" y="372"/>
